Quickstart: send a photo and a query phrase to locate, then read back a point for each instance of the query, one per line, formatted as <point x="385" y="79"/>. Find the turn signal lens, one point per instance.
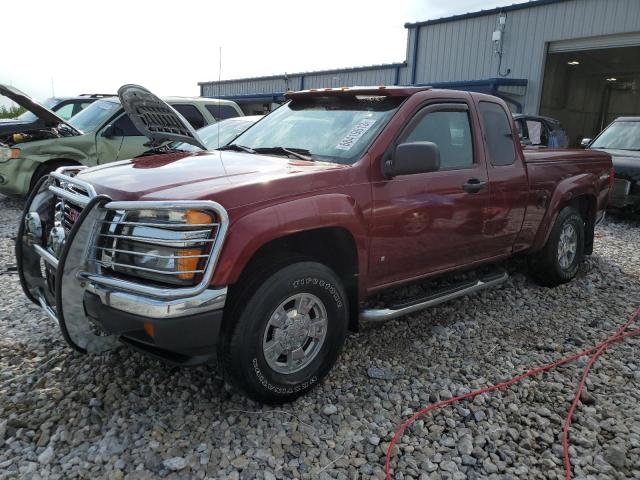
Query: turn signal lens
<point x="196" y="217"/>
<point x="187" y="262"/>
<point x="8" y="153"/>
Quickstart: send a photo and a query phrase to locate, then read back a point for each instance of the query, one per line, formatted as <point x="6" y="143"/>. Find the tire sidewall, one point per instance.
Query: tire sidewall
<point x="305" y="277"/>
<point x="572" y="217"/>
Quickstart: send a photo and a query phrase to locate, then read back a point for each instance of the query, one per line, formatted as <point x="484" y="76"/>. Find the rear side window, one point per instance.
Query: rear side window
<point x="451" y="132"/>
<point x="222" y="112"/>
<point x="497" y="126"/>
<point x="192" y="114"/>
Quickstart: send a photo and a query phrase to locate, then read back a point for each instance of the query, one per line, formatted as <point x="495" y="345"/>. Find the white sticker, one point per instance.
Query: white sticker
<point x="354" y="135"/>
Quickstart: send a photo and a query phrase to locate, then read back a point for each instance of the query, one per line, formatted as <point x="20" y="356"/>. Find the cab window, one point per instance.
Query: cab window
<point x="192" y="114"/>
<point x="498" y="135"/>
<point x="65" y="112"/>
<point x="451" y="131"/>
<point x="222" y="112"/>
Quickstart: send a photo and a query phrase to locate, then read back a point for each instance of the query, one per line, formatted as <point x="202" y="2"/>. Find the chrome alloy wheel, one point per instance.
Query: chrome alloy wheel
<point x="567" y="246"/>
<point x="295" y="333"/>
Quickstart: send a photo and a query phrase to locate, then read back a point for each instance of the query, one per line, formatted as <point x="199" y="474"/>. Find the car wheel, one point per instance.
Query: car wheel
<point x="559" y="259"/>
<point x="287" y="336"/>
<point x="46" y="169"/>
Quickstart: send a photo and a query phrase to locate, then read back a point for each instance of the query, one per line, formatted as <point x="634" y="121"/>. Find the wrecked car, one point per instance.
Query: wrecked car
<point x="100" y="133"/>
<point x="621" y="139"/>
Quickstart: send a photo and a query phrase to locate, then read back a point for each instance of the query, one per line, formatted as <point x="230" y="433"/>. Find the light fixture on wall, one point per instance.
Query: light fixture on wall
<point x="611" y="79"/>
<point x="573" y="62"/>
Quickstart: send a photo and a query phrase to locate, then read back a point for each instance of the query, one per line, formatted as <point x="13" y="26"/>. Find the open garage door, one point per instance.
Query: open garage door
<point x="589" y="82"/>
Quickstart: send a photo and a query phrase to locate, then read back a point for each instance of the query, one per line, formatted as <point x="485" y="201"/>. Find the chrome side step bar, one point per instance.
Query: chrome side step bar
<point x="384" y="314"/>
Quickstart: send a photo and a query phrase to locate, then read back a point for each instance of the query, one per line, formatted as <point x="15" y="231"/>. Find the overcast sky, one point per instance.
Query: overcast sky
<point x="168" y="46"/>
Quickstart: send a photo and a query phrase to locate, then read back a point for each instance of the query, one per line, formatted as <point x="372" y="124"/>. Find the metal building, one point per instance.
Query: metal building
<point x="576" y="60"/>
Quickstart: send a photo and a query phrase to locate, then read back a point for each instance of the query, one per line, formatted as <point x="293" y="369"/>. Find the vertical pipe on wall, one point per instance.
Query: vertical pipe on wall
<point x="414" y="61"/>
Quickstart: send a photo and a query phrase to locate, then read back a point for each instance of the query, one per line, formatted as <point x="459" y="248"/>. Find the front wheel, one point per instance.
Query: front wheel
<point x="559" y="259"/>
<point x="288" y="335"/>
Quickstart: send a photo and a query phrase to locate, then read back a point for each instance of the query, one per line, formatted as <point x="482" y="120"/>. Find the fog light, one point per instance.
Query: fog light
<point x="56" y="240"/>
<point x="33" y="225"/>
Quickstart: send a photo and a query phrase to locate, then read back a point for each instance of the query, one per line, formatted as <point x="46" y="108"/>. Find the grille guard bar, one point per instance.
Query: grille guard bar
<point x="44" y="276"/>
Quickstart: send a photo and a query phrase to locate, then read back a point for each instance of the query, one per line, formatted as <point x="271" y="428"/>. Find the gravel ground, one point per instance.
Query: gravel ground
<point x="122" y="415"/>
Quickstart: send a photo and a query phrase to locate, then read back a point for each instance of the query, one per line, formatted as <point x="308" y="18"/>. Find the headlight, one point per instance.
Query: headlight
<point x="165" y="246"/>
<point x="7" y="153"/>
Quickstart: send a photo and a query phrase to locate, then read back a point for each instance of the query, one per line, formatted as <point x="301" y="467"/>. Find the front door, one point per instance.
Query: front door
<point x="124" y="141"/>
<point x="430" y="222"/>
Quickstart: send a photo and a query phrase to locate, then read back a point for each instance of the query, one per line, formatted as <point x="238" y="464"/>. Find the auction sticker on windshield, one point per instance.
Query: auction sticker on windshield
<point x="354" y="135"/>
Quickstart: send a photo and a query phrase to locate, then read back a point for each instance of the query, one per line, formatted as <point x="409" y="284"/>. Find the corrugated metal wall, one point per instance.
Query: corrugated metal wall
<point x="375" y="75"/>
<point x="463" y="50"/>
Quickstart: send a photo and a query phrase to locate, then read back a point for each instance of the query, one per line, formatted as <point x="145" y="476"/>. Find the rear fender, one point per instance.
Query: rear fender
<point x="248" y="233"/>
<point x="565" y="192"/>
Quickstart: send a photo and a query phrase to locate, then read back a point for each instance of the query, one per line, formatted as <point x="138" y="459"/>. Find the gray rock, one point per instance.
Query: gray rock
<point x="616" y="456"/>
<point x="380" y="373"/>
<point x="175" y="463"/>
<point x="46" y="456"/>
<point x="330" y="410"/>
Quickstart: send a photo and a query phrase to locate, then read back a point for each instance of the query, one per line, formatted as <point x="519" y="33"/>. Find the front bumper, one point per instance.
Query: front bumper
<point x="624" y="194"/>
<point x="16" y="175"/>
<point x="96" y="313"/>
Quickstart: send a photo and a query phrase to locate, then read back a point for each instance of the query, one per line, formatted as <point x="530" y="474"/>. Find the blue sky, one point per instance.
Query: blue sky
<point x="82" y="47"/>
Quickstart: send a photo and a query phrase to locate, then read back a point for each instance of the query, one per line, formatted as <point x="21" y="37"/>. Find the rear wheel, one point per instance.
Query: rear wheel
<point x="559" y="259"/>
<point x="288" y="335"/>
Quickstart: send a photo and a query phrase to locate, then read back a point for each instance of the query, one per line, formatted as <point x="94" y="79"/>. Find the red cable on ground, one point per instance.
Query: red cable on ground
<point x="596" y="350"/>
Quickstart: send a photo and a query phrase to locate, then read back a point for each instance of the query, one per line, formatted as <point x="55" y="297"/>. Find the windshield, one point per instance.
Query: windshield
<point x="334" y="129"/>
<point x="30" y="117"/>
<point x="619" y="136"/>
<point x="94" y="116"/>
<point x="217" y="134"/>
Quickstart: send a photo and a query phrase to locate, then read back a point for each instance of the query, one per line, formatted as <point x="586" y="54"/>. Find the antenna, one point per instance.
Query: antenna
<point x="219" y="89"/>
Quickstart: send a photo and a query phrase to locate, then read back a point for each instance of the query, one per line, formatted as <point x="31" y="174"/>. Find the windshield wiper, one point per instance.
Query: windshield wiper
<point x="300" y="153"/>
<point x="237" y="148"/>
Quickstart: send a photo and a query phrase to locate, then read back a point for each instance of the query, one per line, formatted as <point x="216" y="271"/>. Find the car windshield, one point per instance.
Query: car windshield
<point x="217" y="134"/>
<point x="335" y="128"/>
<point x="94" y="116"/>
<point x="619" y="136"/>
<point x="30" y="117"/>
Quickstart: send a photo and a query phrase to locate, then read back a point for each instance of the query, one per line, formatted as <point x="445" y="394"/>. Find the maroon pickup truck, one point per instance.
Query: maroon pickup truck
<point x="265" y="251"/>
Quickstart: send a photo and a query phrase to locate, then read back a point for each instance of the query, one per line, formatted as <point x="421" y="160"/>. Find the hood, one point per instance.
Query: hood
<point x="45" y="115"/>
<point x="231" y="178"/>
<point x="155" y="118"/>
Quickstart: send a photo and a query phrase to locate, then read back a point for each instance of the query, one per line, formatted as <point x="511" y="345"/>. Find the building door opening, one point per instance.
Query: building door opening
<point x="588" y="89"/>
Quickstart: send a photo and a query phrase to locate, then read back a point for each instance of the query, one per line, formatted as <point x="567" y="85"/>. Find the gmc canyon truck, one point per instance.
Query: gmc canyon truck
<point x="264" y="252"/>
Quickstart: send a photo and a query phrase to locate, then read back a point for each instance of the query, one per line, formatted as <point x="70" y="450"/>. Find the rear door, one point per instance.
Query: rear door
<point x="429" y="222"/>
<point x="509" y="184"/>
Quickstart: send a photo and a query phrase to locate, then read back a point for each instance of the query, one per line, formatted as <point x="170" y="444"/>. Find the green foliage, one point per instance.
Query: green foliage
<point x="11" y="112"/>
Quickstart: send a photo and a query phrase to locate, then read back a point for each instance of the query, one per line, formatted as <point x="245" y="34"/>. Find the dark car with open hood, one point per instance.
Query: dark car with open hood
<point x="265" y="251"/>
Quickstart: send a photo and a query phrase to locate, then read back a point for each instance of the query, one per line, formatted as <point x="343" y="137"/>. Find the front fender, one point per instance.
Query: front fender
<point x="263" y="225"/>
<point x="566" y="190"/>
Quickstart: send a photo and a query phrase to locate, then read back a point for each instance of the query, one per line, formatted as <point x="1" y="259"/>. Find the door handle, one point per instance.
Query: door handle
<point x="474" y="185"/>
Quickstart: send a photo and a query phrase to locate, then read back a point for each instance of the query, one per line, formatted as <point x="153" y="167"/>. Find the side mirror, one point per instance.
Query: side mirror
<point x="413" y="157"/>
<point x="585" y="142"/>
